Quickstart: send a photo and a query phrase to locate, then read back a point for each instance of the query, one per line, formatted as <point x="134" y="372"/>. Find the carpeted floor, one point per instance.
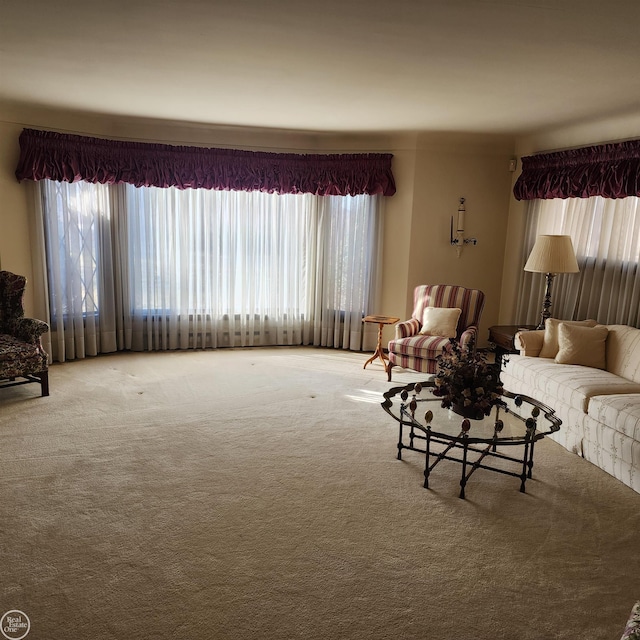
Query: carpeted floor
<point x="240" y="494"/>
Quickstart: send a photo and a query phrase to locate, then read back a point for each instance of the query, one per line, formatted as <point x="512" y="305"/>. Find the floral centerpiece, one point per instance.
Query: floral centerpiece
<point x="466" y="382"/>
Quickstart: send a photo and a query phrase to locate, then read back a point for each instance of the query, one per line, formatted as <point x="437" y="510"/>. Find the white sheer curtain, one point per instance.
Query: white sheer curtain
<point x="149" y="268"/>
<point x="215" y="268"/>
<point x="77" y="228"/>
<point x="606" y="236"/>
<point x="348" y="248"/>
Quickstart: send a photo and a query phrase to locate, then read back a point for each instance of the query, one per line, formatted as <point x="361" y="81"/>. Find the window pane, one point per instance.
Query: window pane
<point x="77" y="215"/>
<point x="188" y="268"/>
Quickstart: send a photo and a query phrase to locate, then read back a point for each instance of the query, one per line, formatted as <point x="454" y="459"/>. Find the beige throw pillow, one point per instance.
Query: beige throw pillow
<point x="550" y="343"/>
<point x="440" y="321"/>
<point x="582" y="345"/>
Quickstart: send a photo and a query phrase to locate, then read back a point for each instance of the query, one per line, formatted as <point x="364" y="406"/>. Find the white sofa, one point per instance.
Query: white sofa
<point x="599" y="407"/>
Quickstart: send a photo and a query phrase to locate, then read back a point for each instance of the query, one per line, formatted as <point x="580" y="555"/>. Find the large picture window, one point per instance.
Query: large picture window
<point x="154" y="246"/>
<point x="606" y="237"/>
<point x="165" y="268"/>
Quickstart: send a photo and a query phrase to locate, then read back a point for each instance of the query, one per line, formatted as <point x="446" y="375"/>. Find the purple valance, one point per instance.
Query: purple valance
<point x="608" y="170"/>
<point x="70" y="158"/>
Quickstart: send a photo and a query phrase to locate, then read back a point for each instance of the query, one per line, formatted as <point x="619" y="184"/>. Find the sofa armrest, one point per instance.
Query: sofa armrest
<point x="529" y="343"/>
<point x="30" y="329"/>
<point x="407" y="328"/>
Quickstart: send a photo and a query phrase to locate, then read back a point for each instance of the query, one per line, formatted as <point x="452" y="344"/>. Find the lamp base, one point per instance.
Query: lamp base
<point x="546" y="305"/>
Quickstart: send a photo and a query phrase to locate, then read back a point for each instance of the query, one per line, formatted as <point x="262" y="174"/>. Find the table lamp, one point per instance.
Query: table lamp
<point x="551" y="255"/>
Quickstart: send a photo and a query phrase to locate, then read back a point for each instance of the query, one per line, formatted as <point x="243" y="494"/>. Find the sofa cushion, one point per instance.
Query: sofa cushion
<point x="582" y="345"/>
<point x="620" y="412"/>
<point x="572" y="384"/>
<point x="550" y="343"/>
<point x="612" y="451"/>
<point x="440" y="321"/>
<point x="623" y="351"/>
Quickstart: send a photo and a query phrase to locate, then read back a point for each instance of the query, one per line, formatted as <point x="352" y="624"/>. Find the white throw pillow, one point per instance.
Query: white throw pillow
<point x="550" y="343"/>
<point x="440" y="321"/>
<point x="582" y="345"/>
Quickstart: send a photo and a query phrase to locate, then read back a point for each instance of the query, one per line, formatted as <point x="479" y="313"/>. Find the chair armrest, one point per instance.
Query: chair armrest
<point x="632" y="630"/>
<point x="30" y="329"/>
<point x="407" y="328"/>
<point x="529" y="343"/>
<point x="469" y="336"/>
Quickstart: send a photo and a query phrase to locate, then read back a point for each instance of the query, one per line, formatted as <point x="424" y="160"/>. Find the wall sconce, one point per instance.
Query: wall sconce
<point x="457" y="238"/>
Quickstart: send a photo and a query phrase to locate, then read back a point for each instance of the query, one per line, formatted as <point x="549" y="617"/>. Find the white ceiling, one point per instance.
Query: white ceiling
<point x="507" y="66"/>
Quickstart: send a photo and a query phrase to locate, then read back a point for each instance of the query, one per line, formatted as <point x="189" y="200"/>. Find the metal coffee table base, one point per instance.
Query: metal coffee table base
<point x="462" y="443"/>
<point x="514" y="420"/>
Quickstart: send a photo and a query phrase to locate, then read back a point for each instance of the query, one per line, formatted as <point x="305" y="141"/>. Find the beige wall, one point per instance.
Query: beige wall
<point x="602" y="131"/>
<point x="432" y="172"/>
<point x="449" y="167"/>
<point x="15" y="248"/>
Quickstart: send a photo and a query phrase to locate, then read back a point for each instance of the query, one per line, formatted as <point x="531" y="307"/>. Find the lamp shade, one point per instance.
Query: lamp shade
<point x="552" y="254"/>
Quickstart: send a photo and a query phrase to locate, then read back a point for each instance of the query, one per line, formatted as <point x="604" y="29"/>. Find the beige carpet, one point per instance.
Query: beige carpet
<point x="239" y="494"/>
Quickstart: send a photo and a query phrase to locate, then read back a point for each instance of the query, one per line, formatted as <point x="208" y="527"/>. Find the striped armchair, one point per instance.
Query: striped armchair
<point x="412" y="350"/>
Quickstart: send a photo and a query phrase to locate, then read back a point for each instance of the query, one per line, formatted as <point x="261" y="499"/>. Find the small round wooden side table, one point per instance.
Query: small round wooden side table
<point x="381" y="321"/>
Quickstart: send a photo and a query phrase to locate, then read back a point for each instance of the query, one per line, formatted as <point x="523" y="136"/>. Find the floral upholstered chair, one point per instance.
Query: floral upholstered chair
<point x="22" y="358"/>
<point x="632" y="630"/>
<point x="440" y="312"/>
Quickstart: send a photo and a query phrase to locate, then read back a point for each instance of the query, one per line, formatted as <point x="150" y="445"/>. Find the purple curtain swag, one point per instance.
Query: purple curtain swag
<point x="608" y="170"/>
<point x="70" y="158"/>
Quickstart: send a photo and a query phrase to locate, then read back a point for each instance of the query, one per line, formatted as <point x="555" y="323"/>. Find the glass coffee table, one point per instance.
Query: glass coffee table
<point x="514" y="425"/>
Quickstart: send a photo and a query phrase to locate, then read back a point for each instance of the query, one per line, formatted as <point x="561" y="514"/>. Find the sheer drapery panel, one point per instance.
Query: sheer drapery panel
<point x="150" y="268"/>
<point x="215" y="268"/>
<point x="606" y="236"/>
<point x="344" y="282"/>
<point x="78" y="243"/>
